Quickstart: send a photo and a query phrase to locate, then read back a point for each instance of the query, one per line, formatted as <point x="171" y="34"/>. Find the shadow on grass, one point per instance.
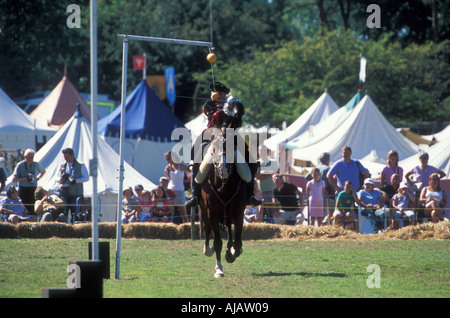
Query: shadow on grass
<point x="305" y="274"/>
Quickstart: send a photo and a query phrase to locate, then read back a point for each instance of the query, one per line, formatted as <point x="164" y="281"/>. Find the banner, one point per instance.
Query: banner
<point x="170" y="84"/>
<point x="362" y="69"/>
<point x="139" y="62"/>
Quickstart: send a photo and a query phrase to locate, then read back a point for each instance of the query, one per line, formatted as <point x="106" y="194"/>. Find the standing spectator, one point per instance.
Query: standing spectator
<point x="13" y="207"/>
<point x="27" y="173"/>
<point x="422" y="172"/>
<point x="315" y="192"/>
<point x="347" y="169"/>
<point x="267" y="168"/>
<point x="286" y="194"/>
<point x="345" y="213"/>
<point x="372" y="201"/>
<point x="391" y="168"/>
<point x="50" y="207"/>
<point x="402" y="202"/>
<point x="434" y="199"/>
<point x="130" y="207"/>
<point x="175" y="173"/>
<point x="72" y="175"/>
<point x="329" y="198"/>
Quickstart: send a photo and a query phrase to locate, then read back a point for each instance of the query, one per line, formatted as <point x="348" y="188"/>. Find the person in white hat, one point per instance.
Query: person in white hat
<point x="402" y="201"/>
<point x="372" y="201"/>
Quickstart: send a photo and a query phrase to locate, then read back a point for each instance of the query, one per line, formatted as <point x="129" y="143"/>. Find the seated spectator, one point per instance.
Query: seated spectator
<point x="287" y="195"/>
<point x="372" y="202"/>
<point x="420" y="174"/>
<point x="161" y="210"/>
<point x="171" y="195"/>
<point x="402" y="202"/>
<point x="391" y="168"/>
<point x="389" y="190"/>
<point x="138" y="188"/>
<point x="345" y="212"/>
<point x="146" y="204"/>
<point x="13" y="207"/>
<point x="253" y="214"/>
<point x="434" y="198"/>
<point x="49" y="207"/>
<point x="130" y="207"/>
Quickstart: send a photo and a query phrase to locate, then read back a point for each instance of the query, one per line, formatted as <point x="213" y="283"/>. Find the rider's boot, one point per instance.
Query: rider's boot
<point x="196" y="189"/>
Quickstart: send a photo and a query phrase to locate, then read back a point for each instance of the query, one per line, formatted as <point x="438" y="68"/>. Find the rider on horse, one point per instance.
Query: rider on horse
<point x="220" y="114"/>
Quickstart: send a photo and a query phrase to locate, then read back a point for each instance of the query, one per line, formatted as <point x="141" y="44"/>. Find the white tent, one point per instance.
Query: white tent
<point x="76" y="134"/>
<point x="444" y="134"/>
<point x="197" y="125"/>
<point x="323" y="107"/>
<point x="365" y="130"/>
<point x="17" y="129"/>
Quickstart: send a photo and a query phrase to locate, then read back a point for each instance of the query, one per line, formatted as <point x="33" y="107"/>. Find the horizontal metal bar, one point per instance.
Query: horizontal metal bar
<point x="165" y="40"/>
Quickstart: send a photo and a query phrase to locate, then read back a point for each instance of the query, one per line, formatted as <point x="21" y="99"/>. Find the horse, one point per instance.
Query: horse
<point x="224" y="196"/>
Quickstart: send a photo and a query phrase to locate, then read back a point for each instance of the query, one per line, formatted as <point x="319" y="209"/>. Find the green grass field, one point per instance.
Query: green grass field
<point x="266" y="269"/>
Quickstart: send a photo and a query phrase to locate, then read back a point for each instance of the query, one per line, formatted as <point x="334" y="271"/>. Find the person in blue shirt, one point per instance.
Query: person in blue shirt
<point x="347" y="169"/>
<point x="372" y="202"/>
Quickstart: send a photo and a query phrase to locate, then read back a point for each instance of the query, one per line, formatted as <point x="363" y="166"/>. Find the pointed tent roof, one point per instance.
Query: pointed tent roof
<point x="146" y="116"/>
<point x="76" y="134"/>
<point x="365" y="129"/>
<point x="17" y="128"/>
<point x="325" y="127"/>
<point x="323" y="107"/>
<point x="58" y="107"/>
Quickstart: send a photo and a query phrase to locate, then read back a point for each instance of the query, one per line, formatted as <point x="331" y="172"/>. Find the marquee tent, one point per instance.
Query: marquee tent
<point x="76" y="134"/>
<point x="58" y="107"/>
<point x="323" y="107"/>
<point x="17" y="129"/>
<point x="148" y="127"/>
<point x="365" y="130"/>
<point x="325" y="127"/>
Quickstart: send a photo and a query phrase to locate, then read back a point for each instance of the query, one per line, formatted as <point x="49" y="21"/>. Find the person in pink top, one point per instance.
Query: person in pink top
<point x="391" y="168"/>
<point x="315" y="191"/>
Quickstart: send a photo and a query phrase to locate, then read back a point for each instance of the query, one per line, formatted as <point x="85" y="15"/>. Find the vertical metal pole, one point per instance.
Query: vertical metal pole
<point x="144" y="73"/>
<point x="121" y="168"/>
<point x="94" y="162"/>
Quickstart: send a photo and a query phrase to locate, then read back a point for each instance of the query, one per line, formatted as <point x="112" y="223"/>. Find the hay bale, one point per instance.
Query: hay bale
<point x="8" y="231"/>
<point x="184" y="231"/>
<point x="45" y="230"/>
<point x="162" y="231"/>
<point x="261" y="231"/>
<point x="106" y="230"/>
<point x="422" y="231"/>
<point x="82" y="230"/>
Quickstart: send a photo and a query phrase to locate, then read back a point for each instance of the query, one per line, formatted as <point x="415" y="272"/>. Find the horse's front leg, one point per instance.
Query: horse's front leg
<point x="218" y="249"/>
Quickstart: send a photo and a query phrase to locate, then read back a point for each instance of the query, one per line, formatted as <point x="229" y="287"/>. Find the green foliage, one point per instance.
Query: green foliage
<point x="278" y="84"/>
<point x="278" y="56"/>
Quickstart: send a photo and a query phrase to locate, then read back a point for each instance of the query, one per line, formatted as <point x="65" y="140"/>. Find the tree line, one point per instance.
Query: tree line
<point x="277" y="55"/>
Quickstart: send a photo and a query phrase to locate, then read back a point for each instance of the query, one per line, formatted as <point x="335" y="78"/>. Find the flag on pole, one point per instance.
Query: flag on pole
<point x="362" y="69"/>
<point x="139" y="62"/>
<point x="170" y="84"/>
